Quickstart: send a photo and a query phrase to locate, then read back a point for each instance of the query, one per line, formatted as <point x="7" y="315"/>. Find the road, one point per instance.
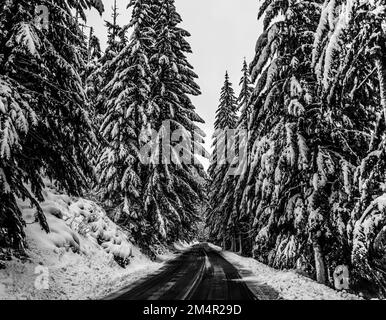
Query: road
<point x="200" y="273"/>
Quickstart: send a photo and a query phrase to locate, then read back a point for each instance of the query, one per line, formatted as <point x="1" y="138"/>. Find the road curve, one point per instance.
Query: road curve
<point x="200" y="273"/>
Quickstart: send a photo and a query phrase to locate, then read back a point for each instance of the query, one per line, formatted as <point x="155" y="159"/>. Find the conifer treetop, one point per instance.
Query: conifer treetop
<point x="226" y="115"/>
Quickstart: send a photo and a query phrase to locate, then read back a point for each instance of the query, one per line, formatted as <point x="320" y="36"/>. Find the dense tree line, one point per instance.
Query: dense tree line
<point x="219" y="209"/>
<point x="308" y="193"/>
<point x="146" y="100"/>
<point x="81" y="117"/>
<point x="312" y="193"/>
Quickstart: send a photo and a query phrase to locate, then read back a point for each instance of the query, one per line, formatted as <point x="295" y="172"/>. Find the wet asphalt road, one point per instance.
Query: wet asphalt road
<point x="198" y="274"/>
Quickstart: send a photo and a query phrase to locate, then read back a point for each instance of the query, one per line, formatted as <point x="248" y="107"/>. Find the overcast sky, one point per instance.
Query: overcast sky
<point x="223" y="33"/>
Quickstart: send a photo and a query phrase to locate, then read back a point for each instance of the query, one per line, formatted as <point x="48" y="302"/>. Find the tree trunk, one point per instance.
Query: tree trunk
<point x="240" y="244"/>
<point x="319" y="264"/>
<point x="233" y="249"/>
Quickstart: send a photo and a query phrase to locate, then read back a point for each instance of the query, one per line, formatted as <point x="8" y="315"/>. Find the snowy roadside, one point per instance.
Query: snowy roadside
<point x="289" y="284"/>
<point x="78" y="259"/>
<point x="70" y="276"/>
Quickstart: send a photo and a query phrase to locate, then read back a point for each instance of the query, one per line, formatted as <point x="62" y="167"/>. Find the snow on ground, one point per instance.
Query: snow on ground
<point x="78" y="259"/>
<point x="289" y="284"/>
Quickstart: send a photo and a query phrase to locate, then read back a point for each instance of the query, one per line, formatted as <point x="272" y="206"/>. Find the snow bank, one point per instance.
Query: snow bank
<point x="183" y="245"/>
<point x="289" y="284"/>
<point x="82" y="258"/>
<point x="214" y="247"/>
<point x="78" y="225"/>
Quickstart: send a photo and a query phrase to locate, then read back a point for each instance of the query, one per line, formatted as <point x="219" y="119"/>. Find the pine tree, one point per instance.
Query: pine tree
<point x="172" y="193"/>
<point x="219" y="217"/>
<point x="43" y="120"/>
<point x="245" y="95"/>
<point x="349" y="59"/>
<point x="300" y="189"/>
<point x="104" y="73"/>
<point x="128" y="106"/>
<point x="113" y="34"/>
<point x="242" y="160"/>
<point x="101" y="74"/>
<point x="284" y="128"/>
<point x="93" y="78"/>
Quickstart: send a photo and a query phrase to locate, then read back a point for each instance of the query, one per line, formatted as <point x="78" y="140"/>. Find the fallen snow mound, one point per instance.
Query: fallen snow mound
<point x="75" y="224"/>
<point x="83" y="257"/>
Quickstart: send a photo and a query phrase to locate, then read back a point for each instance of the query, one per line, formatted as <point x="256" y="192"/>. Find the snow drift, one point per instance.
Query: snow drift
<point x="85" y="255"/>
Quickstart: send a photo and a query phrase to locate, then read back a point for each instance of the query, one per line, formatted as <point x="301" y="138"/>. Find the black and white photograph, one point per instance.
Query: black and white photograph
<point x="207" y="151"/>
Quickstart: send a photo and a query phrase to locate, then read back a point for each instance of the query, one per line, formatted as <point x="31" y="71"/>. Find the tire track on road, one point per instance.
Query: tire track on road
<point x="201" y="273"/>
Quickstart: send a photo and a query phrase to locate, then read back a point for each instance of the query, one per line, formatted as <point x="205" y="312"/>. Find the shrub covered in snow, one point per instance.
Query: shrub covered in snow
<point x="74" y="222"/>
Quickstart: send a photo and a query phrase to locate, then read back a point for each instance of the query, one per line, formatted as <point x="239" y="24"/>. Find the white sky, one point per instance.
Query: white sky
<point x="223" y="33"/>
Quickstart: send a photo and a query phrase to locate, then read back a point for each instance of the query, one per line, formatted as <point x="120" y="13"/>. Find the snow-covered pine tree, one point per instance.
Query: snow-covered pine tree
<point x="172" y="193"/>
<point x="113" y="34"/>
<point x="92" y="77"/>
<point x="93" y="83"/>
<point x="349" y="57"/>
<point x="14" y="99"/>
<point x="284" y="142"/>
<point x="116" y="41"/>
<point x="219" y="220"/>
<point x="123" y="36"/>
<point x="128" y="107"/>
<point x="43" y="119"/>
<point x="242" y="161"/>
<point x="226" y="114"/>
<point x="300" y="186"/>
<point x="245" y="95"/>
<point x="101" y="74"/>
